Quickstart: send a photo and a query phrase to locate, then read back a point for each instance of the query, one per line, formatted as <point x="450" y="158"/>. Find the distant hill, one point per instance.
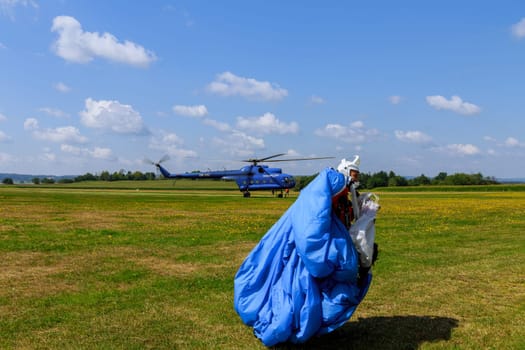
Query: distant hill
<point x="517" y="180"/>
<point x="26" y="178"/>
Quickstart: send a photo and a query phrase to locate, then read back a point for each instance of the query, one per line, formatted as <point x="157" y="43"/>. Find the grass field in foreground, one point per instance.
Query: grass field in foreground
<point x="136" y="269"/>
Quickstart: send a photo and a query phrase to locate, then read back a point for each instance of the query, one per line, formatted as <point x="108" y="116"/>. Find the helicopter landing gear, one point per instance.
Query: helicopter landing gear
<point x="246" y="194"/>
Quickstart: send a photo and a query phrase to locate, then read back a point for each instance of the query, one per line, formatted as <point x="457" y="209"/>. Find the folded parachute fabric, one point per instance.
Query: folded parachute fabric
<point x="300" y="280"/>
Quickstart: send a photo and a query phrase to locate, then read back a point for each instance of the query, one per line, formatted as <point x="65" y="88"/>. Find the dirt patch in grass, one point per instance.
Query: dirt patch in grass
<point x="24" y="274"/>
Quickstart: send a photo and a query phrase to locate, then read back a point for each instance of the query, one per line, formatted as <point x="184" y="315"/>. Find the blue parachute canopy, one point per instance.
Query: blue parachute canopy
<point x="301" y="278"/>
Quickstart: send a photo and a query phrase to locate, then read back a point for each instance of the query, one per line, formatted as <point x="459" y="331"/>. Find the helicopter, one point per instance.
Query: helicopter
<point x="253" y="177"/>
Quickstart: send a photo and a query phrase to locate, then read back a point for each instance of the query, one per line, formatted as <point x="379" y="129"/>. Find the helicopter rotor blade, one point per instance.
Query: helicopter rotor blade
<point x="295" y="159"/>
<point x="148" y="161"/>
<point x="257" y="160"/>
<point x="164" y="158"/>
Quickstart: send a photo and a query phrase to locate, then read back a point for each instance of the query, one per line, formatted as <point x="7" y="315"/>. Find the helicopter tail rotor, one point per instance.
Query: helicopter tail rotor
<point x="157" y="164"/>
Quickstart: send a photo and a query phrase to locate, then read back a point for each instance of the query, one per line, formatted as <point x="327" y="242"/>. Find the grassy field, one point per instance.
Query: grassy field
<point x="152" y="267"/>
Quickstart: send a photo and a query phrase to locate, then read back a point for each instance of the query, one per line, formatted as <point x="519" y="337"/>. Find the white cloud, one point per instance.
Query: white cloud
<point x="267" y="124"/>
<point x="191" y="111"/>
<point x="101" y="153"/>
<point x="217" y="124"/>
<point x="54" y="112"/>
<point x="238" y="144"/>
<point x="3" y="118"/>
<point x="518" y="29"/>
<point x="96" y="153"/>
<point x="7" y="7"/>
<point x="171" y="144"/>
<point x="357" y="124"/>
<point x="354" y="133"/>
<point x="75" y="45"/>
<point x="455" y="104"/>
<point x="228" y="84"/>
<point x="47" y="157"/>
<point x="30" y="124"/>
<point x="412" y="136"/>
<point x="60" y="134"/>
<point x="316" y="100"/>
<point x="513" y="142"/>
<point x="113" y="116"/>
<point x="62" y="87"/>
<point x="4" y="137"/>
<point x="460" y="149"/>
<point x="395" y="100"/>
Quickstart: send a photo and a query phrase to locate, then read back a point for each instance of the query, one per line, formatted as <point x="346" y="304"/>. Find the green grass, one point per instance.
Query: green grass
<point x="108" y="268"/>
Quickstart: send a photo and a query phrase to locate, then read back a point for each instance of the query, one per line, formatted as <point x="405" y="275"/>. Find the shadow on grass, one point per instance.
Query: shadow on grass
<point x="394" y="332"/>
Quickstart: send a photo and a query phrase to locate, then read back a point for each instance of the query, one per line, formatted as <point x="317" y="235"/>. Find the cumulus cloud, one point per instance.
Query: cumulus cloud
<point x="513" y="142"/>
<point x="7" y="7"/>
<point x="60" y="134"/>
<point x="412" y="136"/>
<point x="316" y="100"/>
<point x="76" y="45"/>
<point x="455" y="104"/>
<point x="267" y="124"/>
<point x="238" y="144"/>
<point x="354" y="133"/>
<point x="4" y="137"/>
<point x="460" y="149"/>
<point x="96" y="153"/>
<point x="191" y="111"/>
<point x="62" y="87"/>
<point x="518" y="29"/>
<point x="171" y="144"/>
<point x="395" y="100"/>
<point x="54" y="112"/>
<point x="221" y="126"/>
<point x="30" y="124"/>
<point x="112" y="116"/>
<point x="228" y="84"/>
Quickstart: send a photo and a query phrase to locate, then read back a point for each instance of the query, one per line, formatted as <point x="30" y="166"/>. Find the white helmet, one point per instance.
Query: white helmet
<point x="345" y="166"/>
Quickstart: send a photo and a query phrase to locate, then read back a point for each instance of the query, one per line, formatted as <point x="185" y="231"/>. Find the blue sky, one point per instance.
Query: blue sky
<point x="416" y="87"/>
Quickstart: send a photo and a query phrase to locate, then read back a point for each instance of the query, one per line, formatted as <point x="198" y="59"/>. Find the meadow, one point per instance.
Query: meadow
<point x="151" y="266"/>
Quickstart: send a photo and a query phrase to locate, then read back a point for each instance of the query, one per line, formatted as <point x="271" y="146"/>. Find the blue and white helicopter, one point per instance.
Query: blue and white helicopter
<point x="253" y="177"/>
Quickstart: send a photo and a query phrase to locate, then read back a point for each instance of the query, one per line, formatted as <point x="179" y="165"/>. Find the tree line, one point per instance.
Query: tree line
<point x="391" y="179"/>
<point x="367" y="180"/>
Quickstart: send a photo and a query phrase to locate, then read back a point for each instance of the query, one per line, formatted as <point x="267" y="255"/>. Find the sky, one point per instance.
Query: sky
<point x="414" y="87"/>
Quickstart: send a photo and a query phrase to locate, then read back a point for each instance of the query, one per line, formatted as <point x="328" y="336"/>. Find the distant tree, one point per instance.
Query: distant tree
<point x="7" y="181"/>
<point x="379" y="179"/>
<point x="440" y="178"/>
<point x="48" y="180"/>
<point x="419" y="180"/>
<point x="36" y="180"/>
<point x="397" y="181"/>
<point x="150" y="176"/>
<point x="105" y="176"/>
<point x="137" y="175"/>
<point x="303" y="181"/>
<point x="86" y="177"/>
<point x="66" y="181"/>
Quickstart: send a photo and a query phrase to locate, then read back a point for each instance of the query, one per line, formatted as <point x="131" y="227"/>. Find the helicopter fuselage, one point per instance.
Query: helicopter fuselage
<point x="248" y="178"/>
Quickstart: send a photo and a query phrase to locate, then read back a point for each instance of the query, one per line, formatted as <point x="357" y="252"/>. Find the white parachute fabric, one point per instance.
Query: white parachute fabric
<point x="363" y="230"/>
